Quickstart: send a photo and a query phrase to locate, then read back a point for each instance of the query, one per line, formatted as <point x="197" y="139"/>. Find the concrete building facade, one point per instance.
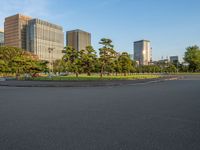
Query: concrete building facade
<point x="15" y="31"/>
<point x="78" y="39"/>
<point x="174" y="59"/>
<point x="1" y="38"/>
<point x="45" y="39"/>
<point x="142" y="52"/>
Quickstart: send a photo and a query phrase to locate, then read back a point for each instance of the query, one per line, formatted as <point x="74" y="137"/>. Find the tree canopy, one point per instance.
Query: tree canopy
<point x="192" y="56"/>
<point x="88" y="59"/>
<point x="72" y="60"/>
<point x="15" y="60"/>
<point x="107" y="54"/>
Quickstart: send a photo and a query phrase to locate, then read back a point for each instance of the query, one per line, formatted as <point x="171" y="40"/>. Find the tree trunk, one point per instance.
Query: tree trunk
<point x="76" y="74"/>
<point x="17" y="76"/>
<point x="89" y="74"/>
<point x="101" y="74"/>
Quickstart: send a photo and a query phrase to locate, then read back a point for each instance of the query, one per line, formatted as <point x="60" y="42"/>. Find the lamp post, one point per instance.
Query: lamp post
<point x="50" y="50"/>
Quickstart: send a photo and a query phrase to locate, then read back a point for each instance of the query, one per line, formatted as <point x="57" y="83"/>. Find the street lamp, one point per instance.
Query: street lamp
<point x="50" y="50"/>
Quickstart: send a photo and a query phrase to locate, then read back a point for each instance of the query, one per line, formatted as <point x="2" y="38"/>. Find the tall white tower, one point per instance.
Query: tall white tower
<point x="143" y="52"/>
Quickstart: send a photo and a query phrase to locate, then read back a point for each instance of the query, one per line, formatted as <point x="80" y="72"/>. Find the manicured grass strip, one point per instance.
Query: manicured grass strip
<point x="83" y="77"/>
<point x="186" y="73"/>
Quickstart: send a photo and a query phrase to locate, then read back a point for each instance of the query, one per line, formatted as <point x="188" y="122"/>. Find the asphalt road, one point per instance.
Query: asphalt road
<point x="156" y="116"/>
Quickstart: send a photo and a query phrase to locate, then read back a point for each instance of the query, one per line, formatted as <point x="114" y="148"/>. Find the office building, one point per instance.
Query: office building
<point x="142" y="52"/>
<point x="45" y="39"/>
<point x="1" y="38"/>
<point x="131" y="56"/>
<point x="15" y="31"/>
<point x="174" y="59"/>
<point x="78" y="39"/>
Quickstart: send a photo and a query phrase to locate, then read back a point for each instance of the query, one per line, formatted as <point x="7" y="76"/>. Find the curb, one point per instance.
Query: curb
<point x="96" y="83"/>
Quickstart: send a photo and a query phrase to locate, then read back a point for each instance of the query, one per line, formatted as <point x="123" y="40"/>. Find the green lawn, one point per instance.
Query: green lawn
<point x="97" y="77"/>
<point x="188" y="73"/>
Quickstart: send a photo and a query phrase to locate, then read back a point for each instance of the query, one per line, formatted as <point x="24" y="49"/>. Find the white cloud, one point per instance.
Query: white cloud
<point x="35" y="8"/>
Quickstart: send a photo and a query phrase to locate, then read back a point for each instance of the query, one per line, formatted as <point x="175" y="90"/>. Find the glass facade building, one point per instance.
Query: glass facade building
<point x="142" y="52"/>
<point x="15" y="30"/>
<point x="174" y="59"/>
<point x="78" y="39"/>
<point x="1" y="38"/>
<point x="45" y="39"/>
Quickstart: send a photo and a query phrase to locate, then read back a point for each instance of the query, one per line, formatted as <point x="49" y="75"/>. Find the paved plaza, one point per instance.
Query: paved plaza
<point x="151" y="116"/>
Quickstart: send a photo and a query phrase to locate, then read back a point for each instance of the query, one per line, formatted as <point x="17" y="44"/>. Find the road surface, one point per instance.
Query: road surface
<point x="154" y="116"/>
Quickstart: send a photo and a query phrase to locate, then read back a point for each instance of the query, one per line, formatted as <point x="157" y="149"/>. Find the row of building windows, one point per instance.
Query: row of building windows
<point x="47" y="24"/>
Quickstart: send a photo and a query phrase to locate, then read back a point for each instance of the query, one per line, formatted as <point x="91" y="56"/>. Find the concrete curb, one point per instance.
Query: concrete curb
<point x="96" y="83"/>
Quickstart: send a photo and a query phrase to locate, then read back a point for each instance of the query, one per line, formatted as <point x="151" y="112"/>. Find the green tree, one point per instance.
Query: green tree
<point x="107" y="54"/>
<point x="42" y="66"/>
<point x="32" y="64"/>
<point x="8" y="53"/>
<point x="3" y="66"/>
<point x="97" y="66"/>
<point x="15" y="60"/>
<point x="117" y="67"/>
<point x="170" y="69"/>
<point x="59" y="66"/>
<point x="18" y="65"/>
<point x="72" y="60"/>
<point x="88" y="58"/>
<point x="192" y="56"/>
<point x="125" y="63"/>
<point x="133" y="68"/>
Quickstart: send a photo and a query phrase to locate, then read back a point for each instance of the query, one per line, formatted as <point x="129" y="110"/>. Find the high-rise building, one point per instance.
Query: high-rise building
<point x="15" y="30"/>
<point x="142" y="52"/>
<point x="174" y="59"/>
<point x="1" y="38"/>
<point x="78" y="39"/>
<point x="131" y="56"/>
<point x="45" y="39"/>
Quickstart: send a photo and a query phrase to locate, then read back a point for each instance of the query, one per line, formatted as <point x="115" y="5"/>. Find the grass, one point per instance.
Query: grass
<point x="187" y="73"/>
<point x="95" y="77"/>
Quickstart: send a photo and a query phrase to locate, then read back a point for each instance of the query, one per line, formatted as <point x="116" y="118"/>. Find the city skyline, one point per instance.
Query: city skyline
<point x="168" y="25"/>
<point x="40" y="37"/>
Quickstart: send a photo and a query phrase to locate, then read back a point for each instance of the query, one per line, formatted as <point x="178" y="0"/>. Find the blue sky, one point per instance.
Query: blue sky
<point x="170" y="25"/>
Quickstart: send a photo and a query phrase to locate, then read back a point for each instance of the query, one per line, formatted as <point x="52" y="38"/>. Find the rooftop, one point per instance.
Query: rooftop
<point x="19" y="16"/>
<point x="39" y="21"/>
<point x="77" y="30"/>
<point x="142" y="41"/>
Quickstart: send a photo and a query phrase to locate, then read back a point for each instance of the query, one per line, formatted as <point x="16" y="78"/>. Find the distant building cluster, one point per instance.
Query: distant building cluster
<point x="40" y="37"/>
<point x="143" y="55"/>
<point x="172" y="59"/>
<point x="46" y="40"/>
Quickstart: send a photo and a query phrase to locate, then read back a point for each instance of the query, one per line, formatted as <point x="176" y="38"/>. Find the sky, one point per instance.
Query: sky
<point x="170" y="25"/>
